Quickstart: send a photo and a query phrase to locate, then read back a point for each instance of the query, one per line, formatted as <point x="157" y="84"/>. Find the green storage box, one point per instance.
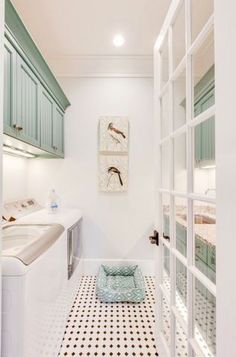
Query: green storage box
<point x="120" y="283"/>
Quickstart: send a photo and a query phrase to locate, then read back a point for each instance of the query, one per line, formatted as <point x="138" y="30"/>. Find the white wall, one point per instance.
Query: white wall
<point x="115" y="225"/>
<point x="225" y="46"/>
<point x="15" y="171"/>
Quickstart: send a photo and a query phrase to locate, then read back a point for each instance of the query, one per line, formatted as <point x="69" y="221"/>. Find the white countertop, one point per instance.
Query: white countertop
<point x="67" y="217"/>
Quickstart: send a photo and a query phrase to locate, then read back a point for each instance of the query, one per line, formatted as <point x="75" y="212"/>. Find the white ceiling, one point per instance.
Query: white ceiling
<point x="86" y="27"/>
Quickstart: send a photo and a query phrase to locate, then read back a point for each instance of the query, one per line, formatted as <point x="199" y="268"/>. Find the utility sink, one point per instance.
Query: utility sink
<point x="199" y="219"/>
<point x="28" y="241"/>
<point x="17" y="236"/>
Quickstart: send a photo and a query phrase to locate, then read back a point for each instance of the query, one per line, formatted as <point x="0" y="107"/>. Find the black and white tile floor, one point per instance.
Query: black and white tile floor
<point x="205" y="319"/>
<point x="104" y="329"/>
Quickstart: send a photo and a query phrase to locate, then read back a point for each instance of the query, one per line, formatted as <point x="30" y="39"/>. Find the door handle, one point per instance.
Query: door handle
<point x="166" y="237"/>
<point x="155" y="238"/>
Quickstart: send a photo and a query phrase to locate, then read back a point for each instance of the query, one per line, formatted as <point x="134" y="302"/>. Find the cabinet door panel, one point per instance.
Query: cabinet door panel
<point x="9" y="118"/>
<point x="205" y="132"/>
<point x="58" y="131"/>
<point x="28" y="118"/>
<point x="46" y="121"/>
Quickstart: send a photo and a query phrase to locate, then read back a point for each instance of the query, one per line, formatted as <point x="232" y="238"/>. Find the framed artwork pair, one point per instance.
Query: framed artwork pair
<point x="113" y="153"/>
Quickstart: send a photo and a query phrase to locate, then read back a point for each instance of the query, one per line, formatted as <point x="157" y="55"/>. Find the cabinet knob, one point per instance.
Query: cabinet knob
<point x="17" y="127"/>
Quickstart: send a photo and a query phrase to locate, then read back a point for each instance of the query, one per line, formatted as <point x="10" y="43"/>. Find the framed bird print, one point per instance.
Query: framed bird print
<point x="113" y="134"/>
<point x="113" y="173"/>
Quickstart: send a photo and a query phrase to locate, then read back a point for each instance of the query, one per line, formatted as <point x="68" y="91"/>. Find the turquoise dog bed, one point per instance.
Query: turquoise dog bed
<point x="120" y="283"/>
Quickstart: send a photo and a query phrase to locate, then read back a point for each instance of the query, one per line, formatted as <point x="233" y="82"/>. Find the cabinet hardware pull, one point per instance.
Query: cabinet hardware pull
<point x="17" y="127"/>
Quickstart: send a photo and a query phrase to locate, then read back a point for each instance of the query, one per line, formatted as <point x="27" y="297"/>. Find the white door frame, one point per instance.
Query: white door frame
<point x="225" y="51"/>
<point x="2" y="12"/>
<point x="192" y="272"/>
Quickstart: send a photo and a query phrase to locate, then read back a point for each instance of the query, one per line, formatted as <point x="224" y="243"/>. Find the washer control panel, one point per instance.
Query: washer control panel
<point x="17" y="209"/>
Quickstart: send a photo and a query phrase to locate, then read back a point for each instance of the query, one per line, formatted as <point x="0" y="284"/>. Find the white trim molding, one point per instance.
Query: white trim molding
<point x="138" y="66"/>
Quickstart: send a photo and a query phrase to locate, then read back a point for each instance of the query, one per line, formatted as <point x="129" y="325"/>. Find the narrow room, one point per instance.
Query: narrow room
<point x="118" y="178"/>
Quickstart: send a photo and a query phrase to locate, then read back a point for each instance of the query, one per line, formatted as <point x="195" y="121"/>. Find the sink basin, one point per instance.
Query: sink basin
<point x="199" y="219"/>
<point x="17" y="236"/>
<point x="27" y="242"/>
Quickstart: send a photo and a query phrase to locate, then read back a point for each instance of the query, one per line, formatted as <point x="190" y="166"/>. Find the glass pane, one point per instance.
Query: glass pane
<point x="204" y="158"/>
<point x="180" y="164"/>
<point x="165" y="120"/>
<point x="181" y="225"/>
<point x="204" y="319"/>
<point x="166" y="215"/>
<point x="179" y="94"/>
<point x="165" y="163"/>
<point x="164" y="54"/>
<point x="205" y="238"/>
<point x="204" y="76"/>
<point x="166" y="320"/>
<point x="181" y="289"/>
<point x="181" y="342"/>
<point x="179" y="37"/>
<point x="201" y="11"/>
<point x="166" y="269"/>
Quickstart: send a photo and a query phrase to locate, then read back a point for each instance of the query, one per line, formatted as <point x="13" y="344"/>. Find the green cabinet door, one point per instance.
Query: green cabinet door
<point x="46" y="120"/>
<point x="9" y="111"/>
<point x="205" y="132"/>
<point x="28" y="96"/>
<point x="181" y="238"/>
<point x="58" y="131"/>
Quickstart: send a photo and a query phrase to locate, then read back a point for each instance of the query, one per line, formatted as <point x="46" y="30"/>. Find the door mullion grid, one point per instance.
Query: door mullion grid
<point x="190" y="155"/>
<point x="189" y="195"/>
<point x="160" y="215"/>
<point x="171" y="185"/>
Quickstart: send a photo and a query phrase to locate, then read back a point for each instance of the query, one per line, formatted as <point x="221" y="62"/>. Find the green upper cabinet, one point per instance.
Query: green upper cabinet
<point x="28" y="90"/>
<point x="52" y="125"/>
<point x="204" y="134"/>
<point x="34" y="103"/>
<point x="58" y="132"/>
<point x="46" y="120"/>
<point x="9" y="88"/>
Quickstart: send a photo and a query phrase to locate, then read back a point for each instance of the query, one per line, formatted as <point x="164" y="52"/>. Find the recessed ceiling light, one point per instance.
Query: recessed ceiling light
<point x="118" y="40"/>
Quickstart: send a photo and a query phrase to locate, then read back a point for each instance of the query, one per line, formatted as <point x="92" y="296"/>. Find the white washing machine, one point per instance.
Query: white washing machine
<point x="35" y="284"/>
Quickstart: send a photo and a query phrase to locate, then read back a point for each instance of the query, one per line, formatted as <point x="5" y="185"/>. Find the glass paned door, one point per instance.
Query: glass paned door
<point x="185" y="97"/>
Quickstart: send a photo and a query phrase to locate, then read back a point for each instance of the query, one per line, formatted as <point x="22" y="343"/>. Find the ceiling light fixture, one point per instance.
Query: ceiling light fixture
<point x="118" y="40"/>
<point x="17" y="152"/>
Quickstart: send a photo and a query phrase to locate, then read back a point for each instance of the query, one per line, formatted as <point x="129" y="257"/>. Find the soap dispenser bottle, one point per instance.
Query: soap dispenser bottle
<point x="53" y="202"/>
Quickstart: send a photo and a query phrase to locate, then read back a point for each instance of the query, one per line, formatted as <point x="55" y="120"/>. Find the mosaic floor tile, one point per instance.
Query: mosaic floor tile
<point x="109" y="329"/>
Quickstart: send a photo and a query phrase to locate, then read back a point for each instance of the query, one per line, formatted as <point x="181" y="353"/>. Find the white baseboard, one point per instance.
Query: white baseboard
<point x="91" y="266"/>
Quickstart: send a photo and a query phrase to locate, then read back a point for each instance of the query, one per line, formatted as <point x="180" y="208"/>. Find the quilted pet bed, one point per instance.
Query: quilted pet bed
<point x="120" y="283"/>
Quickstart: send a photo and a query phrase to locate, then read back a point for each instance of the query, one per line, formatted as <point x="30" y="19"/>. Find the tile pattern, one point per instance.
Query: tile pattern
<point x="205" y="318"/>
<point x="109" y="329"/>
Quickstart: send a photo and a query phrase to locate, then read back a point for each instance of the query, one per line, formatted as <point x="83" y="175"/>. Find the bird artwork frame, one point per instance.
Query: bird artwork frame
<point x="113" y="173"/>
<point x="114" y="134"/>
